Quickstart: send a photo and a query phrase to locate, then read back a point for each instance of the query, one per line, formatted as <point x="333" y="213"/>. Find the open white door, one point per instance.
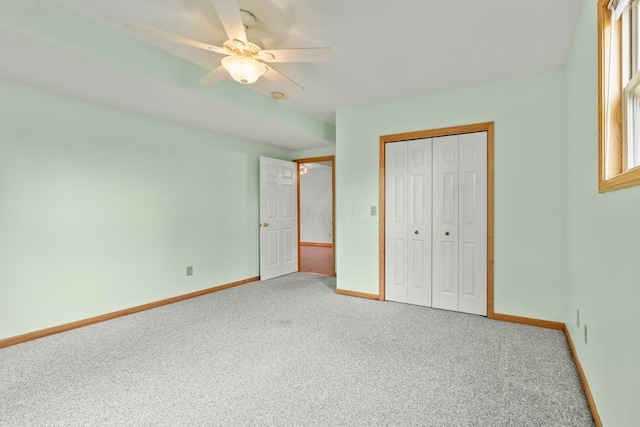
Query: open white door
<point x="278" y="218"/>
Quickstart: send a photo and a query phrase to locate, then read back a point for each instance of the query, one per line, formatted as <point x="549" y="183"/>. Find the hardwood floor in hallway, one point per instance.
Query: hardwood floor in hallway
<point x="316" y="259"/>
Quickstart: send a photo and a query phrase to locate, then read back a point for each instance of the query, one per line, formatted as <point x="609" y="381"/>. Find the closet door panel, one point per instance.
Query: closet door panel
<point x="419" y="222"/>
<point x="473" y="223"/>
<point x="445" y="222"/>
<point x="396" y="222"/>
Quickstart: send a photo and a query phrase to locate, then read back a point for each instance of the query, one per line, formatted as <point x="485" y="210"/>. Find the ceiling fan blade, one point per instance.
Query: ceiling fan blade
<point x="175" y="38"/>
<point x="229" y="14"/>
<point x="320" y="54"/>
<point x="215" y="76"/>
<point x="282" y="83"/>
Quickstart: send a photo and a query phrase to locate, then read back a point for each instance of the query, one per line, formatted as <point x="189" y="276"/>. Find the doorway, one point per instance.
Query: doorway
<point x="385" y="142"/>
<point x="316" y="201"/>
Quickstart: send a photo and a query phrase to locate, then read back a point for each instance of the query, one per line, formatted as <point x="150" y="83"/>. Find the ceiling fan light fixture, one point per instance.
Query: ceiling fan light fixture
<point x="243" y="69"/>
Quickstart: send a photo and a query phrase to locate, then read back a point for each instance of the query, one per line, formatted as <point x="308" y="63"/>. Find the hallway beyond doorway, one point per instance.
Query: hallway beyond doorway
<point x="316" y="259"/>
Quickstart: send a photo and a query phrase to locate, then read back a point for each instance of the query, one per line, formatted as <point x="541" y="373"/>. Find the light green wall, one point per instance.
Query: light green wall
<point x="319" y="152"/>
<point x="603" y="247"/>
<point x="529" y="238"/>
<point x="103" y="210"/>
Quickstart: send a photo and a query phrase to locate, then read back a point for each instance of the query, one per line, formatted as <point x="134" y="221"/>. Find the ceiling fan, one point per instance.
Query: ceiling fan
<point x="243" y="60"/>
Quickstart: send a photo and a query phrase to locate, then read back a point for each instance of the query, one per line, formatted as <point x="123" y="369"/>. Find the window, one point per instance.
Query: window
<point x="619" y="94"/>
<point x="631" y="84"/>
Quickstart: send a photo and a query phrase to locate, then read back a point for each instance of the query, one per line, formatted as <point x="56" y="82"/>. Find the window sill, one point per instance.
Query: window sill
<point x="622" y="180"/>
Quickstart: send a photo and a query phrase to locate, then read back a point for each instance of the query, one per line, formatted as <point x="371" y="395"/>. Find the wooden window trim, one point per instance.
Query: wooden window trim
<point x="610" y="156"/>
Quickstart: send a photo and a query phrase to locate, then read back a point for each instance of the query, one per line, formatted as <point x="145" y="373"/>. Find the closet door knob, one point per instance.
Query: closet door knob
<point x="446" y="233"/>
<point x="417" y="232"/>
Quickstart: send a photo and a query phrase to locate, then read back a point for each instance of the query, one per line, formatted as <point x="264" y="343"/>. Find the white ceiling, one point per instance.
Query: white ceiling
<point x="384" y="50"/>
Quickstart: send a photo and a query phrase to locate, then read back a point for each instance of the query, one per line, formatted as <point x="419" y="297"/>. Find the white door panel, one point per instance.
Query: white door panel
<point x="408" y="222"/>
<point x="273" y="240"/>
<point x="473" y="223"/>
<point x="396" y="222"/>
<point x="278" y="218"/>
<point x="419" y="222"/>
<point x="445" y="222"/>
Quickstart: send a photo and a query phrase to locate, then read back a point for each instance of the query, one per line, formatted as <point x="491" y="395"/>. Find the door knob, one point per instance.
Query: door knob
<point x="266" y="224"/>
<point x="417" y="232"/>
<point x="446" y="233"/>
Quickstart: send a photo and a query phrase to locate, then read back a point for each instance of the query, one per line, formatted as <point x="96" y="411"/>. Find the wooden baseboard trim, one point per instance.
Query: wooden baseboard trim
<point x="583" y="379"/>
<point x="529" y="321"/>
<point x="357" y="294"/>
<point x="324" y="245"/>
<point x="97" y="319"/>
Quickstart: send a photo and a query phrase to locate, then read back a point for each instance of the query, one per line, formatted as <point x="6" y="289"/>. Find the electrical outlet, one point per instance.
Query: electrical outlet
<point x="190" y="270"/>
<point x="585" y="334"/>
<point x="578" y="318"/>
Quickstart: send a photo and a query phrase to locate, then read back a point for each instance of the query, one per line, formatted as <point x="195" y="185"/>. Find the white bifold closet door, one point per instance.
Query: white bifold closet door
<point x="408" y="222"/>
<point x="460" y="223"/>
<point x="436" y="222"/>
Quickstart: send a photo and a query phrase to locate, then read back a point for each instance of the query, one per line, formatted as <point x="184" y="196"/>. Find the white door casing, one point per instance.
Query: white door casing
<point x="278" y="218"/>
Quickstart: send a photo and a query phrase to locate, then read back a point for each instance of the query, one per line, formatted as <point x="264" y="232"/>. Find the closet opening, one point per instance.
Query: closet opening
<point x="436" y="218"/>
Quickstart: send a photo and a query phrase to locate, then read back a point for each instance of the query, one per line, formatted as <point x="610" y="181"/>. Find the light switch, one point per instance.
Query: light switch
<point x="373" y="210"/>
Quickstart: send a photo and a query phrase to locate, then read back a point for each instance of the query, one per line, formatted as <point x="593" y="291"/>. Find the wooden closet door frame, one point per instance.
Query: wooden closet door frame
<point x="454" y="130"/>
